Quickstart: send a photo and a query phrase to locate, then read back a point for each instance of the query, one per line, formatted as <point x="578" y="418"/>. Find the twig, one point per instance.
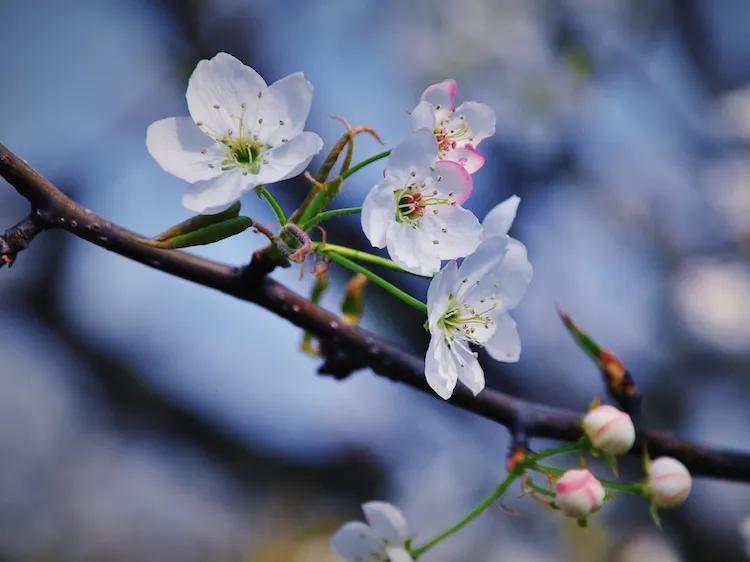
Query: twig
<point x="359" y="347"/>
<point x="17" y="238"/>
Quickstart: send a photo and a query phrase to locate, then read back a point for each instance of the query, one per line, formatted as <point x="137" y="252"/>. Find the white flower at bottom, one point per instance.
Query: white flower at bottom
<point x="469" y="305"/>
<point x="241" y="133"/>
<point x="416" y="210"/>
<point x="382" y="539"/>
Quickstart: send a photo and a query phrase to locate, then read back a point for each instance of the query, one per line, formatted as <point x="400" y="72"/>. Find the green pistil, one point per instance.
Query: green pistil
<point x="246" y="153"/>
<point x="452" y="322"/>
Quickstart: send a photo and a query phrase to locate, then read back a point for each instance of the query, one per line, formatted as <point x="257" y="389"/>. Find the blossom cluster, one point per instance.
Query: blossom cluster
<point x="576" y="493"/>
<point x="417" y="212"/>
<point x="243" y="134"/>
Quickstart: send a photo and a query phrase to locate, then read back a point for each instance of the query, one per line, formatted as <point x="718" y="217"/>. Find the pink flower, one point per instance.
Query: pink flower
<point x="578" y="493"/>
<point x="609" y="430"/>
<point x="458" y="130"/>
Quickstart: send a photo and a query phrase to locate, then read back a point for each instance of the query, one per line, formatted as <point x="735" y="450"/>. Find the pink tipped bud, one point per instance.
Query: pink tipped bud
<point x="609" y="430"/>
<point x="668" y="483"/>
<point x="578" y="493"/>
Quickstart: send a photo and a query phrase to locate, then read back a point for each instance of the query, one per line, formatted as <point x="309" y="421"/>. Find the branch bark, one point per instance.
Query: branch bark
<point x="354" y="347"/>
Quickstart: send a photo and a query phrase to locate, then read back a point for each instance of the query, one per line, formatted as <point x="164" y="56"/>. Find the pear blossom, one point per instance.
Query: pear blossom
<point x="668" y="483"/>
<point x="578" y="493"/>
<point x="609" y="430"/>
<point x="469" y="304"/>
<point x="241" y="133"/>
<point x="381" y="539"/>
<point x="458" y="130"/>
<point x="416" y="210"/>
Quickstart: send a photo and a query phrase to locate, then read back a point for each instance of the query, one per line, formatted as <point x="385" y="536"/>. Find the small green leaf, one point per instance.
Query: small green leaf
<point x="206" y="235"/>
<point x="198" y="222"/>
<point x="653" y="511"/>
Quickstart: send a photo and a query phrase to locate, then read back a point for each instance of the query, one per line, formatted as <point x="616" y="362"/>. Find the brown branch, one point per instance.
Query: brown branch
<point x="17" y="238"/>
<point x="354" y="347"/>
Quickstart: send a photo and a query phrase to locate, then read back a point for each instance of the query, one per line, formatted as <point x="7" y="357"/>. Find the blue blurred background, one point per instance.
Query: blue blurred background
<point x="145" y="418"/>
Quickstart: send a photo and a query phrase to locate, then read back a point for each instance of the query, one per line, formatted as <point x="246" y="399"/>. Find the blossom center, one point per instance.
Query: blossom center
<point x="243" y="152"/>
<point x="461" y="320"/>
<point x="450" y="132"/>
<point x="412" y="202"/>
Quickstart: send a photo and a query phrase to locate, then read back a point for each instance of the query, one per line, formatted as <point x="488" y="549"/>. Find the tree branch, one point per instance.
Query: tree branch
<point x="354" y="348"/>
<point x="17" y="238"/>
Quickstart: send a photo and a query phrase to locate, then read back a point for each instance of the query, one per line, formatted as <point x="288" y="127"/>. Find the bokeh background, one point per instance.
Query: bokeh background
<point x="145" y="418"/>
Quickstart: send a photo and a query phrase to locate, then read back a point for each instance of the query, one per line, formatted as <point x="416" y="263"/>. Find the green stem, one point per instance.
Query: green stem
<point x="325" y="215"/>
<point x="346" y="173"/>
<point x="635" y="488"/>
<point x="528" y="462"/>
<point x="395" y="291"/>
<point x="569" y="448"/>
<point x="473" y="514"/>
<point x="321" y="199"/>
<point x="361" y="256"/>
<point x="540" y="489"/>
<point x="265" y="194"/>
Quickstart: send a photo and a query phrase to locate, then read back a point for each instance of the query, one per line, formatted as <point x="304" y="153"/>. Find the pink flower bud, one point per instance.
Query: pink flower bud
<point x="578" y="493"/>
<point x="609" y="430"/>
<point x="668" y="483"/>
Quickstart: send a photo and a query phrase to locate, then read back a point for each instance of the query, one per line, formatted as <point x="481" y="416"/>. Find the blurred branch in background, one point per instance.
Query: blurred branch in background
<point x="138" y="405"/>
<point x="355" y="348"/>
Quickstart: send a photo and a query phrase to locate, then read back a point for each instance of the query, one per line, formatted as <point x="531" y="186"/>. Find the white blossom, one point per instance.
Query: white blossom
<point x="416" y="210"/>
<point x="458" y="130"/>
<point x="609" y="430"/>
<point x="381" y="539"/>
<point x="469" y="305"/>
<point x="578" y="493"/>
<point x="241" y="133"/>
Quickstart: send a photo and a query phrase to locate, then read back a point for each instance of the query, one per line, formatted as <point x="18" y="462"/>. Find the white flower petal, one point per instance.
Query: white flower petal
<point x="469" y="370"/>
<point x="505" y="343"/>
<point x="387" y="521"/>
<point x="289" y="159"/>
<point x="355" y="541"/>
<point x="475" y="269"/>
<point x="284" y="108"/>
<point x="178" y="145"/>
<point x="499" y="220"/>
<point x="513" y="276"/>
<point x="441" y="286"/>
<point x="455" y="181"/>
<point x="456" y="230"/>
<point x="467" y="156"/>
<point x="397" y="554"/>
<point x="378" y="213"/>
<point x="412" y="248"/>
<point x="411" y="159"/>
<point x="423" y="117"/>
<point x="480" y="117"/>
<point x="441" y="369"/>
<point x="225" y="82"/>
<point x="442" y="94"/>
<point x="208" y="197"/>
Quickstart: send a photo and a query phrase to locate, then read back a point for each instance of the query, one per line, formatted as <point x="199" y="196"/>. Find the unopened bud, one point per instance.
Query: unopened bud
<point x="353" y="305"/>
<point x="578" y="493"/>
<point x="668" y="482"/>
<point x="609" y="430"/>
